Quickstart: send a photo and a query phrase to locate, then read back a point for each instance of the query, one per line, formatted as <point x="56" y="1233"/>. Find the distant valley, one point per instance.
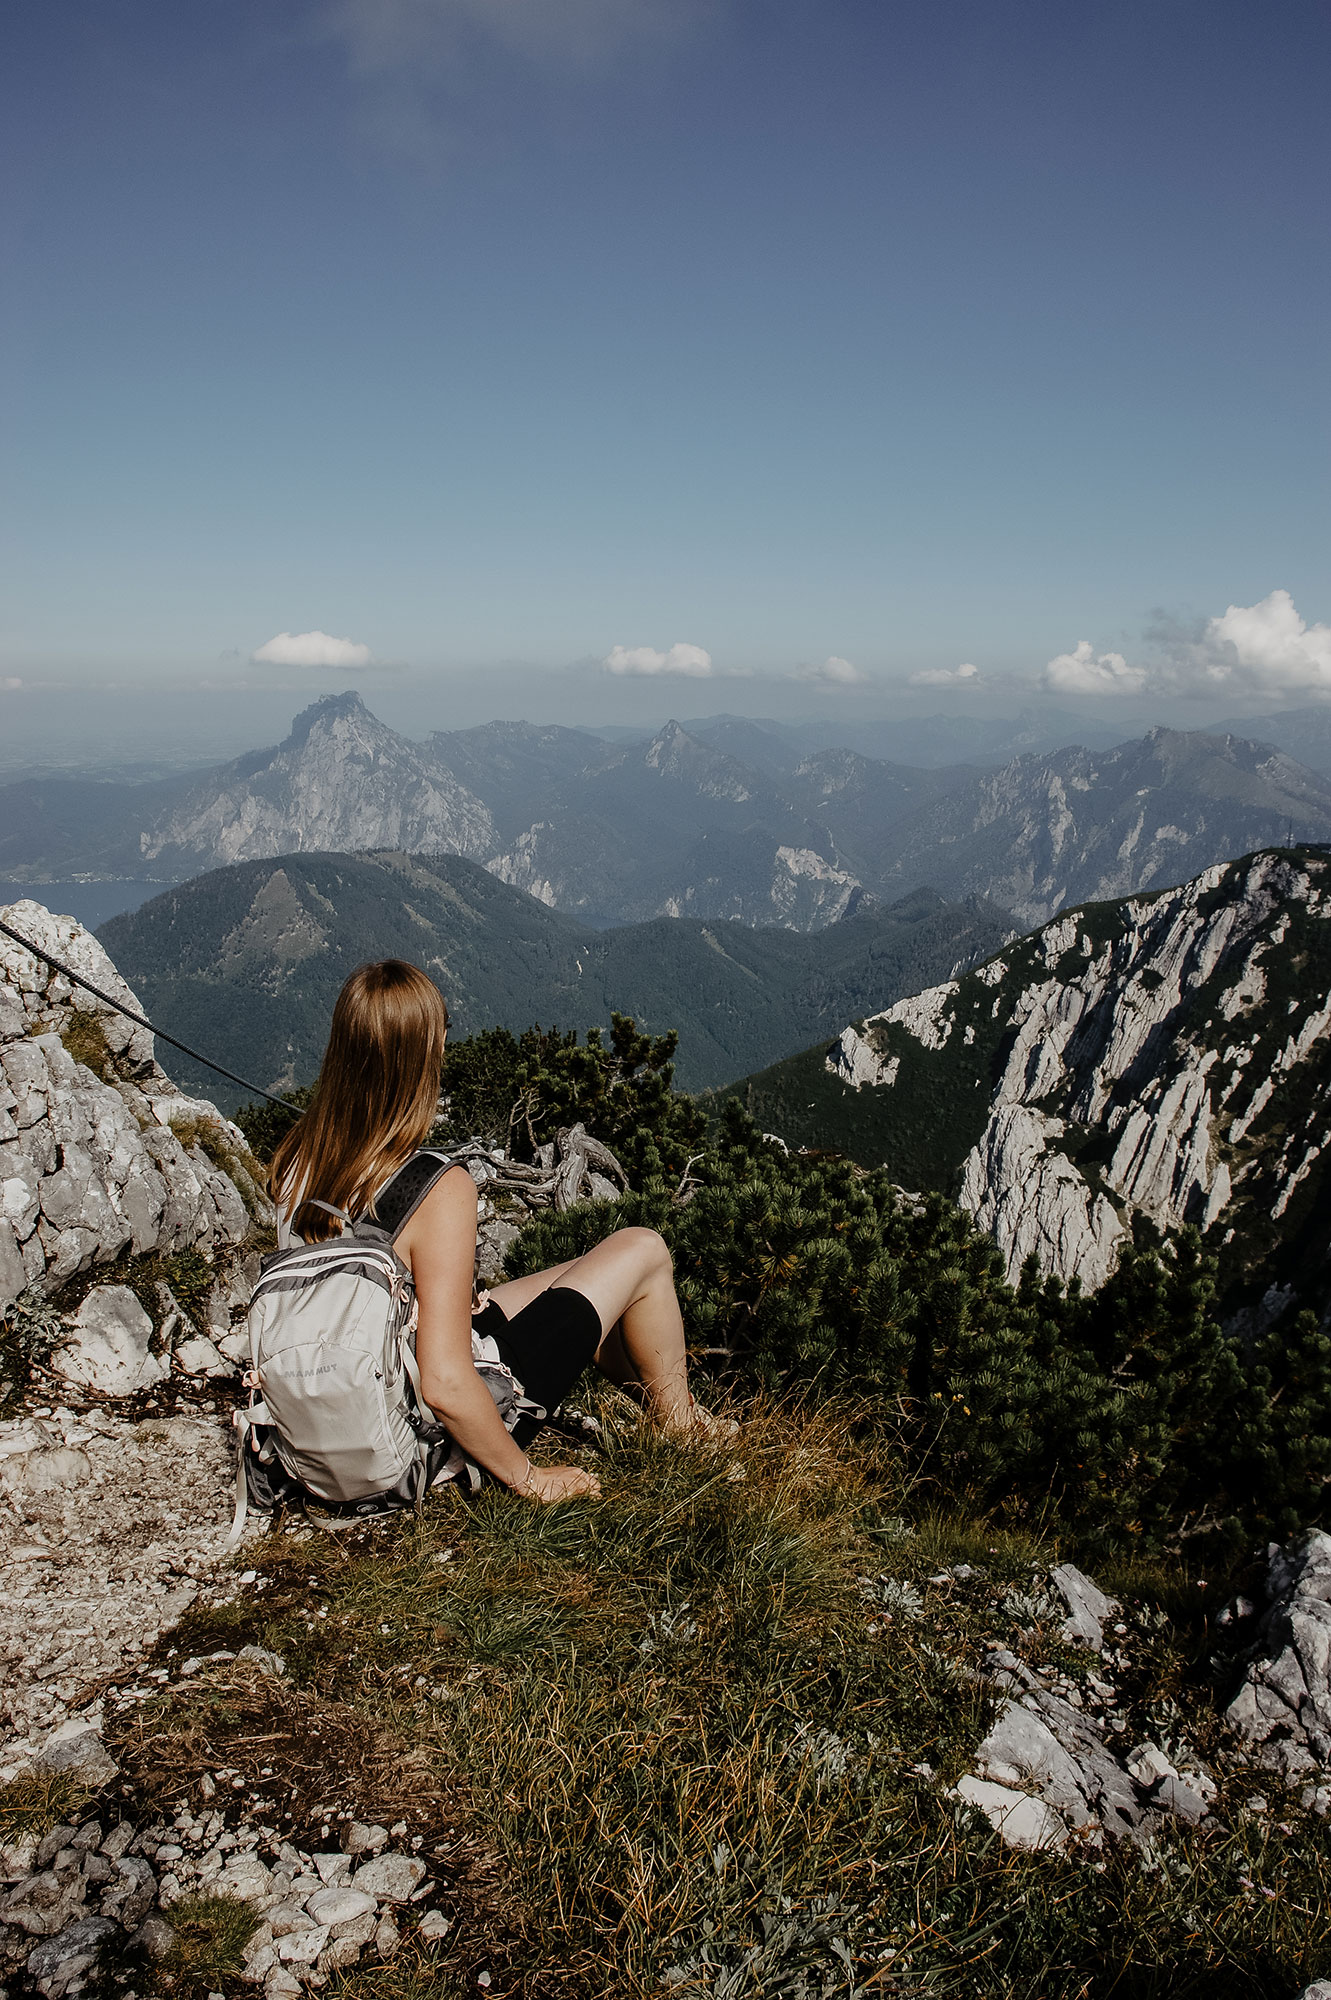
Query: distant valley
<point x="728" y="819"/>
<point x="245" y="962"/>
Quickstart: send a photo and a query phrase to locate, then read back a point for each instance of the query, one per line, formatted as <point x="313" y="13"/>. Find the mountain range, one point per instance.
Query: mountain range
<point x="727" y="820"/>
<point x="1165" y="1058"/>
<point x="245" y="962"/>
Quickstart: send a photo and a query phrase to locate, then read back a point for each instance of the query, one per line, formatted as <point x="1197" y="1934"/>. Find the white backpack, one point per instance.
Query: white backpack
<point x="336" y="1414"/>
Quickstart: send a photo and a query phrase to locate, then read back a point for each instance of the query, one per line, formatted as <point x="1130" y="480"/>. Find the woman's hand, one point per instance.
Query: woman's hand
<point x="561" y="1482"/>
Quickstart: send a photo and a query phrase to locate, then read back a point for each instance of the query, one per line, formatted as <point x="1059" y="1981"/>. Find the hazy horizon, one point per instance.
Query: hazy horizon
<point x="176" y="728"/>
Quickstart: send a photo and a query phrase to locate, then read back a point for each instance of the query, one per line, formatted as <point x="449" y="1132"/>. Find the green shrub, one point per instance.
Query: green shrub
<point x="30" y="1329"/>
<point x="1129" y="1415"/>
<point x="266" y="1125"/>
<point x="517" y="1090"/>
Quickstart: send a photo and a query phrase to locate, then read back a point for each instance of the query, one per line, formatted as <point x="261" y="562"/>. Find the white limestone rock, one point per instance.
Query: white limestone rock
<point x="340" y="1905"/>
<point x="390" y="1878"/>
<point x="1022" y="1750"/>
<point x="1019" y="1187"/>
<point x="78" y="1748"/>
<point x="303" y="1947"/>
<point x="109" y="1350"/>
<point x="1283" y="1708"/>
<point x="1021" y="1820"/>
<point x="197" y="1356"/>
<point x="1141" y="1059"/>
<point x="1088" y="1607"/>
<point x="95" y="1164"/>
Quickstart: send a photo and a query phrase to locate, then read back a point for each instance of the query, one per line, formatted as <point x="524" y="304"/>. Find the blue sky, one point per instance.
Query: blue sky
<point x="494" y="335"/>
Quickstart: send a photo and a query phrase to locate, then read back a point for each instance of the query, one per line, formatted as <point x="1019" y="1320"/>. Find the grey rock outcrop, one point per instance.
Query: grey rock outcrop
<point x="1047" y="1773"/>
<point x="1088" y="1607"/>
<point x="66" y="1963"/>
<point x="77" y="1747"/>
<point x="97" y="1160"/>
<point x="1283" y="1708"/>
<point x="1166" y="1056"/>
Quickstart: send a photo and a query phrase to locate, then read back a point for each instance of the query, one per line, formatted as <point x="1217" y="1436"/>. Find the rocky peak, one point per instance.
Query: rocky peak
<point x="1050" y="830"/>
<point x="342" y="780"/>
<point x="330" y="709"/>
<point x="673" y="753"/>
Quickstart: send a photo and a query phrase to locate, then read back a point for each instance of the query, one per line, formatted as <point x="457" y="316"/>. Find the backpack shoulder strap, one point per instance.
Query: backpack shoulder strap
<point x="398" y="1201"/>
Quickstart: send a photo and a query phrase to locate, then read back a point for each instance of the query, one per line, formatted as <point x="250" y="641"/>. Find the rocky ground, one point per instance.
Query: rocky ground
<point x="1059" y="1764"/>
<point x="109" y="1530"/>
<point x="115" y="1514"/>
<point x="113" y="1523"/>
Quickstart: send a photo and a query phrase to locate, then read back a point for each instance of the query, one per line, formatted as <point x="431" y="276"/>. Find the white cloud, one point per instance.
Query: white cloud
<point x="681" y="659"/>
<point x="1267" y="648"/>
<point x="834" y="672"/>
<point x="10" y="684"/>
<point x="940" y="677"/>
<point x="1083" y="671"/>
<point x="1264" y="650"/>
<point x="312" y="649"/>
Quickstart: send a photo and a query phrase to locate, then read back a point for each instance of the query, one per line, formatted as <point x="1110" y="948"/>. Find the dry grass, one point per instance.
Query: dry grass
<point x="301" y="1761"/>
<point x="672" y="1758"/>
<point x="36" y="1803"/>
<point x="84" y="1036"/>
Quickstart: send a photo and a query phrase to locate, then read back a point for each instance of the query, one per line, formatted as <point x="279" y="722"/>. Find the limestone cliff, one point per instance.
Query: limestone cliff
<point x="1164" y="1056"/>
<point x="99" y="1153"/>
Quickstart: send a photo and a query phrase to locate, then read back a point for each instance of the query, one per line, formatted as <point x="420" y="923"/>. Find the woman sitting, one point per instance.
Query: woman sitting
<point x="376" y="1100"/>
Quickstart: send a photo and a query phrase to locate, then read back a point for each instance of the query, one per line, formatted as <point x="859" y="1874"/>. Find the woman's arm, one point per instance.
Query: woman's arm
<point x="439" y="1246"/>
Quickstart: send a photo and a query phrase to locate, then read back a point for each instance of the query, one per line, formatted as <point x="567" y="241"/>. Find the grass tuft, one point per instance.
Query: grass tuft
<point x="84" y="1037"/>
<point x="39" y="1801"/>
<point x="211" y="1933"/>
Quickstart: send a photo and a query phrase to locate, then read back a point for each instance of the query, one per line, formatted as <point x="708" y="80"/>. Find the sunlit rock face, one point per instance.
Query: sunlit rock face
<point x="99" y="1152"/>
<point x="1165" y="1056"/>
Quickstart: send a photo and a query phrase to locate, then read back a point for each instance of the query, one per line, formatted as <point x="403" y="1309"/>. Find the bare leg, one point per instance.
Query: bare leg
<point x="629" y="1280"/>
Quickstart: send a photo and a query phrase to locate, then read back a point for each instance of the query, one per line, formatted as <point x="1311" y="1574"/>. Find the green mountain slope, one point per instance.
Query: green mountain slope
<point x="245" y="962"/>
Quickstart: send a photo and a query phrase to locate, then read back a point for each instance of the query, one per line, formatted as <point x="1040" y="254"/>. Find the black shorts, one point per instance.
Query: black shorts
<point x="548" y="1346"/>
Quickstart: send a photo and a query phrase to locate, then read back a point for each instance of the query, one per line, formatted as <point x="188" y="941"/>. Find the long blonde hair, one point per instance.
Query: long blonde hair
<point x="375" y="1099"/>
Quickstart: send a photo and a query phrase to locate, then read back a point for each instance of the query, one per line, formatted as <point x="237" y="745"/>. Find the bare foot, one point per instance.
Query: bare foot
<point x="701" y="1422"/>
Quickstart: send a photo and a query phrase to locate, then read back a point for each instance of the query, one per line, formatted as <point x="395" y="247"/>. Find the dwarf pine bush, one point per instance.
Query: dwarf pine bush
<point x="1129" y="1415"/>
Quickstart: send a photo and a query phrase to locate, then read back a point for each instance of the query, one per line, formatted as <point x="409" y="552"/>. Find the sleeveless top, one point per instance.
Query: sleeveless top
<point x="287" y="1236"/>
